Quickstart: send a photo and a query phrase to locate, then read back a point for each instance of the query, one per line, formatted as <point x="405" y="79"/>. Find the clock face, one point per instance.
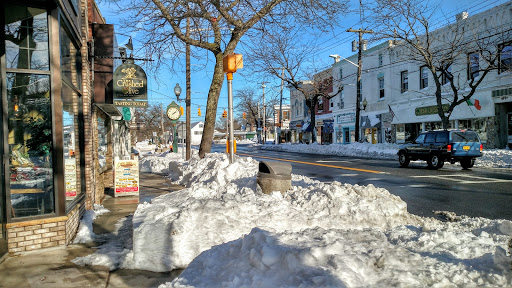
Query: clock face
<point x="173" y="113"/>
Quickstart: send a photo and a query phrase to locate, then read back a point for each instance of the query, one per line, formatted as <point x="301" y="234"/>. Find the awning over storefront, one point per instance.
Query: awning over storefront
<point x="110" y="110"/>
<point x="306" y="127"/>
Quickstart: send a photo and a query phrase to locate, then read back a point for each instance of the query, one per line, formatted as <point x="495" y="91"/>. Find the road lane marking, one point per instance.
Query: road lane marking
<point x="316" y="164"/>
<point x="474" y="179"/>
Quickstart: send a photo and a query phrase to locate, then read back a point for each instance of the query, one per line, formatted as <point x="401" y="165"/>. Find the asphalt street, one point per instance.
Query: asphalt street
<point x="477" y="192"/>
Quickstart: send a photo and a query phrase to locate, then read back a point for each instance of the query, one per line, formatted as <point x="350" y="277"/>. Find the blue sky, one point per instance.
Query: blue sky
<point x="161" y="91"/>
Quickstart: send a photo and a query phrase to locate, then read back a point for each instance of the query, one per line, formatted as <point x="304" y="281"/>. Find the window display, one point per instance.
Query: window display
<point x="30" y="144"/>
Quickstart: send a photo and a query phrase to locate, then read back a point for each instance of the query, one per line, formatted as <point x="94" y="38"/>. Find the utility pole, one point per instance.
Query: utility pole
<point x="188" y="136"/>
<point x="359" y="63"/>
<point x="264" y="114"/>
<point x="162" y="122"/>
<point x="280" y="105"/>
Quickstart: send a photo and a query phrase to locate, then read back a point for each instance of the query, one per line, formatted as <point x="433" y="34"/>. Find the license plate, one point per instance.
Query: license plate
<point x="466" y="148"/>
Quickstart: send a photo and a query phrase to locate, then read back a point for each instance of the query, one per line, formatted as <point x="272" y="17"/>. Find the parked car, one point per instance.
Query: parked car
<point x="436" y="147"/>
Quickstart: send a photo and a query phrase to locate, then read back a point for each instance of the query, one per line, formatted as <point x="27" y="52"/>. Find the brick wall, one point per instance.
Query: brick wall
<point x="36" y="234"/>
<point x="72" y="223"/>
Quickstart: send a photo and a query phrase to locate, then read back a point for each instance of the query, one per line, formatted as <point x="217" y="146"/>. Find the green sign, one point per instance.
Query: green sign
<point x="127" y="114"/>
<point x="429" y="110"/>
<point x="130" y="82"/>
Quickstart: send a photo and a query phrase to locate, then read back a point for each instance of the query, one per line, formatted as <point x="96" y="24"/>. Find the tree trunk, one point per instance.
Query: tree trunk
<point x="313" y="120"/>
<point x="211" y="106"/>
<point x="445" y="120"/>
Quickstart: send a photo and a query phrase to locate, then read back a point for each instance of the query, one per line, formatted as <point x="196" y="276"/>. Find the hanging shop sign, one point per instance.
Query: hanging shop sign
<point x="130" y="82"/>
<point x="429" y="110"/>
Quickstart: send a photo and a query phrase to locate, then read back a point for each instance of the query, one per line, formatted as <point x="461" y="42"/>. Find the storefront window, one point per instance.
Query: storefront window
<point x="26" y="38"/>
<point x="480" y="126"/>
<point x="71" y="140"/>
<point x="400" y="133"/>
<point x="70" y="59"/>
<point x="30" y="144"/>
<point x="102" y="143"/>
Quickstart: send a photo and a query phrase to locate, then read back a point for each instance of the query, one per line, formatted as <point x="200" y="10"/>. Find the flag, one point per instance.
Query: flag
<point x="391" y="111"/>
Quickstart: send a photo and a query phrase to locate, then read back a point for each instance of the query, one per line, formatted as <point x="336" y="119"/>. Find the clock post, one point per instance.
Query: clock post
<point x="173" y="113"/>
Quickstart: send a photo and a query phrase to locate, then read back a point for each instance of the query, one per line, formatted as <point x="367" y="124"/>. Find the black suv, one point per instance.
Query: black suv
<point x="436" y="147"/>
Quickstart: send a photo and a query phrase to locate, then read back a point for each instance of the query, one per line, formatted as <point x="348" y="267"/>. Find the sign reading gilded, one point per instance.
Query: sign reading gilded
<point x="428" y="110"/>
<point x="130" y="82"/>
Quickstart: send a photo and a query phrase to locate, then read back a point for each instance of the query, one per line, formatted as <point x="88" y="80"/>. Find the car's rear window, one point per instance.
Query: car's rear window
<point x="466" y="136"/>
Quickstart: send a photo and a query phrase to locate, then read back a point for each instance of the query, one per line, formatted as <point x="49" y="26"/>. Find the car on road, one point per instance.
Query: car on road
<point x="437" y="147"/>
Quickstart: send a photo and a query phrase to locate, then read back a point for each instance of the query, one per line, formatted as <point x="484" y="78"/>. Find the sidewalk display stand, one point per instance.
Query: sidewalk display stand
<point x="126" y="177"/>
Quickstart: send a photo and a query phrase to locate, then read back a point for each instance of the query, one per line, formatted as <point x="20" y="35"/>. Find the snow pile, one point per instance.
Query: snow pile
<point x="159" y="162"/>
<point x="495" y="158"/>
<point x="223" y="203"/>
<point x="226" y="233"/>
<point x="492" y="158"/>
<point x="116" y="251"/>
<point x="85" y="232"/>
<point x="363" y="150"/>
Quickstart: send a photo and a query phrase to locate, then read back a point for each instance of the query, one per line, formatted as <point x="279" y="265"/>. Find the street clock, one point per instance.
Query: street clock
<point x="173" y="111"/>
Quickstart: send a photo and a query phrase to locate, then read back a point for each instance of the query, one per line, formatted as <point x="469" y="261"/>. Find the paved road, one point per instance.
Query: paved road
<point x="477" y="192"/>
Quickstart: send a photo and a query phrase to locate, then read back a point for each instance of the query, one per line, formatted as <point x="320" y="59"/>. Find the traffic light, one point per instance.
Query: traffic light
<point x="181" y="110"/>
<point x="244" y="115"/>
<point x="198" y="111"/>
<point x="225" y="114"/>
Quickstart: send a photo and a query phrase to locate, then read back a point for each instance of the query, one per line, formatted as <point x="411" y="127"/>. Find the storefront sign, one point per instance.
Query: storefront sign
<point x="126" y="177"/>
<point x="70" y="177"/>
<point x="346" y="118"/>
<point x="429" y="110"/>
<point x="136" y="104"/>
<point x="130" y="82"/>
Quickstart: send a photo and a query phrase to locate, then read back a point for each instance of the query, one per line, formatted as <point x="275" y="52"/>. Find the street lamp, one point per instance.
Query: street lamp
<point x="177" y="91"/>
<point x="365" y="103"/>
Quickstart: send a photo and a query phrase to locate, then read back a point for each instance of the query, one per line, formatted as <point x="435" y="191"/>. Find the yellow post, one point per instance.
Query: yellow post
<point x="234" y="146"/>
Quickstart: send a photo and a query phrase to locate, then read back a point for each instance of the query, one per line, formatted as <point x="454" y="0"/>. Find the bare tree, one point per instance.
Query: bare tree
<point x="410" y="24"/>
<point x="217" y="27"/>
<point x="248" y="103"/>
<point x="149" y="121"/>
<point x="287" y="51"/>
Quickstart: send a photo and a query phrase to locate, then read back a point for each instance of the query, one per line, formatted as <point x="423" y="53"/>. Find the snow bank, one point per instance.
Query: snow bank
<point x="491" y="158"/>
<point x="85" y="232"/>
<point x="226" y="233"/>
<point x="223" y="203"/>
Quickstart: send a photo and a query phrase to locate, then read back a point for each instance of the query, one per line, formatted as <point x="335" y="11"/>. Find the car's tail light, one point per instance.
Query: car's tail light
<point x="481" y="147"/>
<point x="449" y="148"/>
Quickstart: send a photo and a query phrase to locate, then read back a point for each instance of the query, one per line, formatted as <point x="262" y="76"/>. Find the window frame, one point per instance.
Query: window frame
<point x="508" y="68"/>
<point x="381" y="87"/>
<point x="444" y="74"/>
<point x="404" y="81"/>
<point x="423" y="77"/>
<point x="471" y="72"/>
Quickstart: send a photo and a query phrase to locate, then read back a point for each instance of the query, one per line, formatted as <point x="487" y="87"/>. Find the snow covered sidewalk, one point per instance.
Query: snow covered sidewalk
<point x="226" y="233"/>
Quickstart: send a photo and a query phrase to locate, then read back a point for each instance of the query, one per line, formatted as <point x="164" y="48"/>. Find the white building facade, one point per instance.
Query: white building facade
<point x="299" y="114"/>
<point x="399" y="93"/>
